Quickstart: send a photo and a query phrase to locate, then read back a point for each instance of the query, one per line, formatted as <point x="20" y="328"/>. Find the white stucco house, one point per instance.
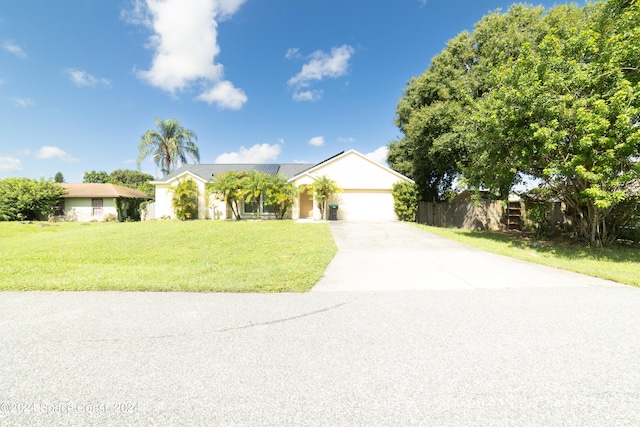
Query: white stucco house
<point x="94" y="202"/>
<point x="366" y="187"/>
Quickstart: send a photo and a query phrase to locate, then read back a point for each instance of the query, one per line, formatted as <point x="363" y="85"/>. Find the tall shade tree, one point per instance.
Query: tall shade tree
<point x="321" y="190"/>
<point x="229" y="187"/>
<point x="553" y="95"/>
<point x="95" y="177"/>
<point x="170" y="144"/>
<point x="567" y="111"/>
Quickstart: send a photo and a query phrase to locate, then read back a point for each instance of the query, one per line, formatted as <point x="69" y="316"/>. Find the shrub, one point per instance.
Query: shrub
<point x="27" y="199"/>
<point x="405" y="200"/>
<point x="185" y="200"/>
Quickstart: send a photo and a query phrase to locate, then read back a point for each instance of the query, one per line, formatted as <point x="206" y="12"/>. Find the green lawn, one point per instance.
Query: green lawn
<point x="619" y="263"/>
<point x="201" y="256"/>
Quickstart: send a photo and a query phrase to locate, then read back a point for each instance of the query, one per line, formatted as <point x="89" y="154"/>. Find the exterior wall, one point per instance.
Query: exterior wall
<point x="80" y="209"/>
<point x="208" y="206"/>
<point x="354" y="172"/>
<point x="163" y="206"/>
<point x="365" y="205"/>
<point x="366" y="188"/>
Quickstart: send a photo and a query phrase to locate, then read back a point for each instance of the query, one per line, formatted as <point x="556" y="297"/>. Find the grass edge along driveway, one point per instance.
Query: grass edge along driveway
<point x="618" y="263"/>
<point x="191" y="256"/>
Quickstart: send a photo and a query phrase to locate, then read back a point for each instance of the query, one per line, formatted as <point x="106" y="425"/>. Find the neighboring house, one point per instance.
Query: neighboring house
<point x="366" y="187"/>
<point x="93" y="202"/>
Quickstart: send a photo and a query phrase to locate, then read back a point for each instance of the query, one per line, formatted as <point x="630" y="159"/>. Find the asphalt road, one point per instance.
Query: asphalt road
<point x="530" y="355"/>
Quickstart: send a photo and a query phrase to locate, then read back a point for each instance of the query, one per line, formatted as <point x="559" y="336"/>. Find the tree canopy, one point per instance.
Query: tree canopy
<point x="258" y="188"/>
<point x="123" y="177"/>
<point x="169" y="144"/>
<point x="27" y="199"/>
<point x="553" y="95"/>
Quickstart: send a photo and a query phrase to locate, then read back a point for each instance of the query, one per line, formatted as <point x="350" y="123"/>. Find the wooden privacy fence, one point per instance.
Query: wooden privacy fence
<point x="484" y="214"/>
<point x="470" y="215"/>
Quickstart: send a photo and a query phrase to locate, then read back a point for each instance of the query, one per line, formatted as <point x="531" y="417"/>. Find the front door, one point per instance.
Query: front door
<point x="306" y="205"/>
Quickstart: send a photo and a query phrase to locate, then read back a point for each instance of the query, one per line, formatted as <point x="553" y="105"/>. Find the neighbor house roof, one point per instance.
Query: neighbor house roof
<point x="208" y="171"/>
<point x="101" y="191"/>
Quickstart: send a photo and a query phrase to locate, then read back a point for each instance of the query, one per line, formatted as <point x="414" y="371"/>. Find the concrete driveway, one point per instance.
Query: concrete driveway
<point x="375" y="256"/>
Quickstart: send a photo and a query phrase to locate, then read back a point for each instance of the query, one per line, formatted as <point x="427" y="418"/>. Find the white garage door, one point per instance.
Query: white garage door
<point x="366" y="205"/>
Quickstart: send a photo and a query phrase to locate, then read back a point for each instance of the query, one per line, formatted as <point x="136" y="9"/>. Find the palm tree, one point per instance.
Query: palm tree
<point x="280" y="194"/>
<point x="170" y="144"/>
<point x="321" y="190"/>
<point x="254" y="185"/>
<point x="185" y="200"/>
<point x="228" y="187"/>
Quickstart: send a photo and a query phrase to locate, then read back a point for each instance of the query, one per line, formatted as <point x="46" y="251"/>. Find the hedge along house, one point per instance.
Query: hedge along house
<point x="94" y="202"/>
<point x="366" y="188"/>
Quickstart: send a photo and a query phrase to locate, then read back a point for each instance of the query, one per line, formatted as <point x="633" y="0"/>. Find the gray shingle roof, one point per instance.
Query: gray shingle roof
<point x="207" y="171"/>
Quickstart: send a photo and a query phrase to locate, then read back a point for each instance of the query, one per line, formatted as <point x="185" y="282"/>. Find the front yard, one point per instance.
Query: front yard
<point x="199" y="256"/>
<point x="619" y="263"/>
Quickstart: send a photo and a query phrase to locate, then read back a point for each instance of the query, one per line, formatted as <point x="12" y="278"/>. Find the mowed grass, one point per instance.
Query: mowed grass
<point x="198" y="256"/>
<point x="618" y="263"/>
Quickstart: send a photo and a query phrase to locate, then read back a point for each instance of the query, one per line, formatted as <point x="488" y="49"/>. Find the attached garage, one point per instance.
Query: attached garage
<point x="366" y="187"/>
<point x="365" y="205"/>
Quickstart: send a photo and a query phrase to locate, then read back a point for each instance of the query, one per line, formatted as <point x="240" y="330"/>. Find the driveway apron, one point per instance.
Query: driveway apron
<point x="374" y="256"/>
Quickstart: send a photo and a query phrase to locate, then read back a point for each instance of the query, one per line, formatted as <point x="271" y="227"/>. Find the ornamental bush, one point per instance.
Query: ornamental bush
<point x="405" y="200"/>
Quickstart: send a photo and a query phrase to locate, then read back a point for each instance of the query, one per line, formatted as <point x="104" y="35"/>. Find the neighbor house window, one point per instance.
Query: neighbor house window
<point x="96" y="205"/>
<point x="59" y="209"/>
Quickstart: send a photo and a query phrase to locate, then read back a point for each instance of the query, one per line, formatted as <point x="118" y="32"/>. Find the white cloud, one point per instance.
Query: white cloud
<point x="49" y="152"/>
<point x="10" y="164"/>
<point x="348" y="140"/>
<point x="323" y="65"/>
<point x="225" y="95"/>
<point x="259" y="153"/>
<point x="83" y="79"/>
<point x="185" y="45"/>
<point x="379" y="155"/>
<point x="23" y="102"/>
<point x="14" y="49"/>
<point x="308" y="95"/>
<point x="316" y="141"/>
<point x="293" y="53"/>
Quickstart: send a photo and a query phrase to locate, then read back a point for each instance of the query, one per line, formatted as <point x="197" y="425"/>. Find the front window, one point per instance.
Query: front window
<point x="96" y="205"/>
<point x="250" y="208"/>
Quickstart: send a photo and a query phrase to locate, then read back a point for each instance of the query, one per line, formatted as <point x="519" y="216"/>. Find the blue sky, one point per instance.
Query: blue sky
<point x="257" y="80"/>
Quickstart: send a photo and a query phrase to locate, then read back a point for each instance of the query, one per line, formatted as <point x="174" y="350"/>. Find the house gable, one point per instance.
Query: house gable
<point x="352" y="170"/>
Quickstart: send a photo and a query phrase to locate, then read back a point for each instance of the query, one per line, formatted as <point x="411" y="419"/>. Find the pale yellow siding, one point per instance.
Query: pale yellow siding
<point x="208" y="206"/>
<point x="81" y="209"/>
<point x="366" y="188"/>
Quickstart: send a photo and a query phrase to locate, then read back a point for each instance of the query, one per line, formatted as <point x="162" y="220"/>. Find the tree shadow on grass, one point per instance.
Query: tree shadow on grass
<point x="559" y="247"/>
